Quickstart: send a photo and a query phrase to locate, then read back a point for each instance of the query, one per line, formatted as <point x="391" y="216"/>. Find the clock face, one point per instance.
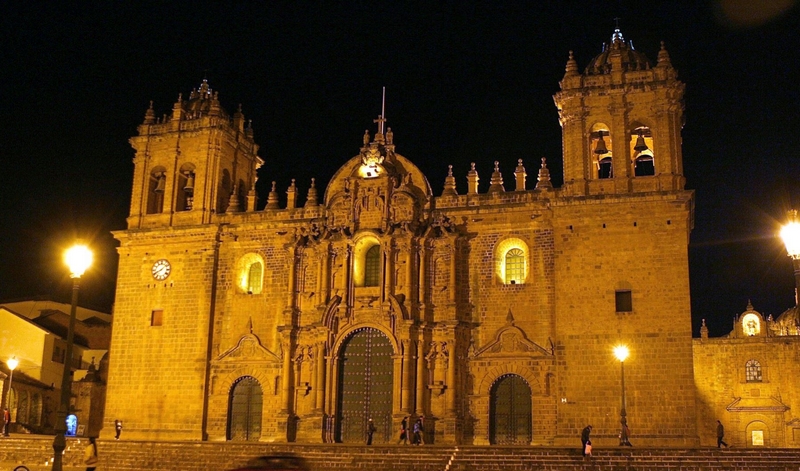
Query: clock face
<point x="161" y="270"/>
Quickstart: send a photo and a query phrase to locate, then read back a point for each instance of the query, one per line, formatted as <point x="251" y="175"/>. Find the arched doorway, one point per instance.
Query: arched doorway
<point x="365" y="387"/>
<point x="244" y="410"/>
<point x="510" y="412"/>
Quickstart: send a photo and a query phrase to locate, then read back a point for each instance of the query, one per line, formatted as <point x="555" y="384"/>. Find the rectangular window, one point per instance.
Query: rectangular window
<point x="624" y="301"/>
<point x="156" y="317"/>
<point x="58" y="354"/>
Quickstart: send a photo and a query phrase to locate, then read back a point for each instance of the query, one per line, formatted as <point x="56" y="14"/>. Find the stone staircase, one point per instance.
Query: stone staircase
<point x="34" y="451"/>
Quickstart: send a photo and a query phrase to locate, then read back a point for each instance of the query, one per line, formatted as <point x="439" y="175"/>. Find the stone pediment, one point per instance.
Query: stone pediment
<point x="249" y="348"/>
<point x="511" y="341"/>
<point x="757" y="404"/>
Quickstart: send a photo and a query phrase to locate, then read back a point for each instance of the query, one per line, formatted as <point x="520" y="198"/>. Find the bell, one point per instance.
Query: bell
<point x="640" y="144"/>
<point x="600" y="148"/>
<point x="189" y="188"/>
<point x="160" y="183"/>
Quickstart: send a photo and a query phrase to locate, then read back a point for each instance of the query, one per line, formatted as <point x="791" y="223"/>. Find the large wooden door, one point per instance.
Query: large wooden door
<point x="365" y="387"/>
<point x="244" y="411"/>
<point x="510" y="412"/>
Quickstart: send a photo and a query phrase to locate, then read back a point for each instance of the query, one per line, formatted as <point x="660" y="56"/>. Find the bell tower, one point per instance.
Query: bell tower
<point x="621" y="123"/>
<point x="192" y="164"/>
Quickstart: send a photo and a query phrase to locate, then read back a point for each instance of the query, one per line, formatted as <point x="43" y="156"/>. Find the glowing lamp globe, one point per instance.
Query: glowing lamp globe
<point x="12" y="363"/>
<point x="78" y="258"/>
<point x="621" y="352"/>
<point x="791" y="235"/>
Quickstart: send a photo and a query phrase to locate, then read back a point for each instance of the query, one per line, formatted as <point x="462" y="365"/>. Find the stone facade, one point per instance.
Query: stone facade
<point x="492" y="314"/>
<point x="748" y="381"/>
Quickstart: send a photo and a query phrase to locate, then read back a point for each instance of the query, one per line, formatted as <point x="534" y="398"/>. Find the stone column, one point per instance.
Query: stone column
<point x="421" y="381"/>
<point x="397" y="382"/>
<point x="451" y="379"/>
<point x="287" y="374"/>
<point x="290" y="297"/>
<point x="452" y="288"/>
<point x="326" y="273"/>
<point x="406" y="404"/>
<point x="423" y="278"/>
<point x="319" y="381"/>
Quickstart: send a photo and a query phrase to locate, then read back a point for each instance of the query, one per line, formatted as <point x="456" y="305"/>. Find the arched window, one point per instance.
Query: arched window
<point x="752" y="371"/>
<point x="250" y="273"/>
<point x="254" y="277"/>
<point x="36" y="410"/>
<point x="515" y="266"/>
<point x="372" y="266"/>
<point x="22" y="408"/>
<point x="512" y="261"/>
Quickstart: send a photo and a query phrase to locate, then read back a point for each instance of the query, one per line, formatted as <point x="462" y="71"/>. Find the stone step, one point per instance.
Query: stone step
<point x="124" y="455"/>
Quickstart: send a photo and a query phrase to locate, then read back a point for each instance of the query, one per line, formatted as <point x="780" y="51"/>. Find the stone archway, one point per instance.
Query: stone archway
<point x="365" y="386"/>
<point x="510" y="409"/>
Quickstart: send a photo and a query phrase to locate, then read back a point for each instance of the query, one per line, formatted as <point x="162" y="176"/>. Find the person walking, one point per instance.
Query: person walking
<point x="585" y="438"/>
<point x="370" y="430"/>
<point x="6" y="421"/>
<point x="118" y="428"/>
<point x="418" y="430"/>
<point x="403" y="432"/>
<point x="624" y="435"/>
<point x="720" y="435"/>
<point x="90" y="455"/>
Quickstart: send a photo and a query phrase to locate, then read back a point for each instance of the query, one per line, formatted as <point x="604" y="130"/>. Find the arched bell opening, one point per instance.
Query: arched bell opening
<point x="184" y="190"/>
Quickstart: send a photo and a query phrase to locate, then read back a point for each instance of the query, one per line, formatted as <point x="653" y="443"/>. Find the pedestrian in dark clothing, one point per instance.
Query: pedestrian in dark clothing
<point x="585" y="438"/>
<point x="90" y="455"/>
<point x="720" y="435"/>
<point x="404" y="431"/>
<point x="6" y="421"/>
<point x="370" y="430"/>
<point x="419" y="429"/>
<point x="624" y="435"/>
<point x="118" y="428"/>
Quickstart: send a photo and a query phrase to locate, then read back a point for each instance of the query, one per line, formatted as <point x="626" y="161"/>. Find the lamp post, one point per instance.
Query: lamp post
<point x="621" y="352"/>
<point x="12" y="365"/>
<point x="78" y="258"/>
<point x="790" y="233"/>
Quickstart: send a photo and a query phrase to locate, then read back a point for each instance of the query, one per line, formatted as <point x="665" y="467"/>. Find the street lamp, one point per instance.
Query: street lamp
<point x="621" y="352"/>
<point x="78" y="258"/>
<point x="12" y="365"/>
<point x="791" y="238"/>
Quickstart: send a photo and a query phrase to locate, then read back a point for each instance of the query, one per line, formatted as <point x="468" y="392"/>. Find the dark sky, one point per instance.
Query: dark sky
<point x="464" y="82"/>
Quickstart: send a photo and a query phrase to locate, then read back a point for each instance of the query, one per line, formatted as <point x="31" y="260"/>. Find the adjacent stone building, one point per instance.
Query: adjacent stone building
<point x="493" y="313"/>
<point x="748" y="381"/>
<point x="34" y="332"/>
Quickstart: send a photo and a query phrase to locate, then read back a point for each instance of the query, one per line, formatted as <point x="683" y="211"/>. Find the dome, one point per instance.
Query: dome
<point x="631" y="59"/>
<point x="788" y="323"/>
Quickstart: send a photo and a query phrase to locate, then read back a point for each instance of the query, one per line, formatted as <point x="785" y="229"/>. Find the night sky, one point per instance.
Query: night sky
<point x="465" y="82"/>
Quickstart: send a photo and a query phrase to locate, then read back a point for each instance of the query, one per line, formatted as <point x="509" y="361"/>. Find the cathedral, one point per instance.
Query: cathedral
<point x="490" y="316"/>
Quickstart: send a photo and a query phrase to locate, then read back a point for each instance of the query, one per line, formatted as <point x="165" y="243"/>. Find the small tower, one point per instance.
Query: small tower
<point x="193" y="164"/>
<point x="621" y="122"/>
